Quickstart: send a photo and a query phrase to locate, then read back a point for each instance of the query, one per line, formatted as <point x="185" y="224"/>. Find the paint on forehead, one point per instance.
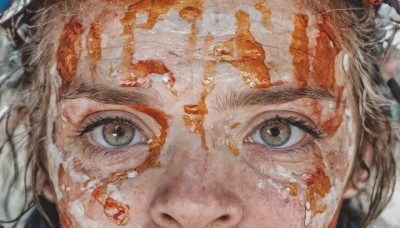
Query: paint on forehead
<point x="266" y="15"/>
<point x="93" y="45"/>
<point x="246" y="54"/>
<point x="299" y="50"/>
<point x="141" y="71"/>
<point x="191" y="14"/>
<point x="69" y="52"/>
<point x="154" y="8"/>
<point x="195" y="114"/>
<point x="325" y="54"/>
<point x="318" y="184"/>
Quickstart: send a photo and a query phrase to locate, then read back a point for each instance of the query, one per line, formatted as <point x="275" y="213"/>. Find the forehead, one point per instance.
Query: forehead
<point x="266" y="42"/>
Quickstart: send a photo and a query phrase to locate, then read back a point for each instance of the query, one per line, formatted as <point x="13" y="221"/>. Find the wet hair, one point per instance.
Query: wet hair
<point x="30" y="100"/>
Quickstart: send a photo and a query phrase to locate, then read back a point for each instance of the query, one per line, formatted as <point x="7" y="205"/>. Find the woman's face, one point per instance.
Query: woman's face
<point x="200" y="113"/>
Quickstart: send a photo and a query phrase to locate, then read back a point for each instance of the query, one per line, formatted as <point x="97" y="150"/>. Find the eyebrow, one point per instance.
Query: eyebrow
<point x="107" y="95"/>
<point x="270" y="96"/>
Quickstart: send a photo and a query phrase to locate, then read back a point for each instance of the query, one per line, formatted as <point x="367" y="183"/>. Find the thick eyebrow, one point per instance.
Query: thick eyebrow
<point x="107" y="95"/>
<point x="270" y="96"/>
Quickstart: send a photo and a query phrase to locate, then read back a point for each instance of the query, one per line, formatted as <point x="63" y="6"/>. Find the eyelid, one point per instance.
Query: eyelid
<point x="97" y="119"/>
<point x="290" y="117"/>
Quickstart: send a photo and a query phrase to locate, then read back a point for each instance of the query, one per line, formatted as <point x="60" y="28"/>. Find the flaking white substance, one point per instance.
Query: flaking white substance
<point x="77" y="209"/>
<point x="307" y="220"/>
<point x="142" y="18"/>
<point x="216" y="24"/>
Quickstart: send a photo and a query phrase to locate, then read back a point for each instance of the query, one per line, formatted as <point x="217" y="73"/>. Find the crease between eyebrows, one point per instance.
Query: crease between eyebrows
<point x="107" y="95"/>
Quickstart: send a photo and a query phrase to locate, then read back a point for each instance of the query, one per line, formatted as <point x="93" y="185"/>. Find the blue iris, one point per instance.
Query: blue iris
<point x="4" y="5"/>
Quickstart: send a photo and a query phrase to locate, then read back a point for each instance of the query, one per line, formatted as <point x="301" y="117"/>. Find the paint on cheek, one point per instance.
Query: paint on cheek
<point x="141" y="71"/>
<point x="195" y="114"/>
<point x="248" y="55"/>
<point x="299" y="50"/>
<point x="230" y="139"/>
<point x="69" y="52"/>
<point x="117" y="211"/>
<point x="94" y="45"/>
<point x="325" y="54"/>
<point x="266" y="15"/>
<point x="318" y="185"/>
<point x="292" y="188"/>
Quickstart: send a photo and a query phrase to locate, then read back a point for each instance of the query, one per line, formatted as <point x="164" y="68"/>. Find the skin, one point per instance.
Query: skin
<point x="179" y="78"/>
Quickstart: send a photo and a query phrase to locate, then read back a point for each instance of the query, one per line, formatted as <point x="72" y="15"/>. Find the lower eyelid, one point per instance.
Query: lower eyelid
<point x="257" y="153"/>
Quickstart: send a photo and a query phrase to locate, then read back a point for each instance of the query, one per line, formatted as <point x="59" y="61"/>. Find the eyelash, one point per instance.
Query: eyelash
<point x="102" y="121"/>
<point x="96" y="122"/>
<point x="300" y="123"/>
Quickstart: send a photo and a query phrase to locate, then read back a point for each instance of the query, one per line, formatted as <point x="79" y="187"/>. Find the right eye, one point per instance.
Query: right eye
<point x="116" y="135"/>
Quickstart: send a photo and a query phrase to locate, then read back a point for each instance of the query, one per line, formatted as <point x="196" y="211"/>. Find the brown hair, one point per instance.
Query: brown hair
<point x="29" y="99"/>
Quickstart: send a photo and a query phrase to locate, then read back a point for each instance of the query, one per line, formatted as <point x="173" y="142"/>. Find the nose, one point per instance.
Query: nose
<point x="196" y="207"/>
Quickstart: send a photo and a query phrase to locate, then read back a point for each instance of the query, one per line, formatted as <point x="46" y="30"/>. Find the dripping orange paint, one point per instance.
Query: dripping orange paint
<point x="69" y="51"/>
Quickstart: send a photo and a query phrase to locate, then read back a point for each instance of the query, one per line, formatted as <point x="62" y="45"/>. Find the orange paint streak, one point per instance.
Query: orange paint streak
<point x="230" y="141"/>
<point x="196" y="113"/>
<point x="94" y="45"/>
<point x="332" y="124"/>
<point x="158" y="142"/>
<point x="246" y="54"/>
<point x="117" y="212"/>
<point x="235" y="125"/>
<point x="191" y="14"/>
<point x="69" y="52"/>
<point x="266" y="15"/>
<point x="142" y="70"/>
<point x="154" y="8"/>
<point x="325" y="54"/>
<point x="318" y="184"/>
<point x="292" y="188"/>
<point x="299" y="50"/>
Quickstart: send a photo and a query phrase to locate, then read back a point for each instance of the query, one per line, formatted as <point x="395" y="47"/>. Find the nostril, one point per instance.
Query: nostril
<point x="223" y="218"/>
<point x="168" y="218"/>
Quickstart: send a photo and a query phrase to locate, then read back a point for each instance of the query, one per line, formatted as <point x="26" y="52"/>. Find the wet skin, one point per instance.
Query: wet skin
<point x="198" y="114"/>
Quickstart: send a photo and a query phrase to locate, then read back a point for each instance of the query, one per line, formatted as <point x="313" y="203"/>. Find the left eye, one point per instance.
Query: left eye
<point x="277" y="134"/>
<point x="115" y="135"/>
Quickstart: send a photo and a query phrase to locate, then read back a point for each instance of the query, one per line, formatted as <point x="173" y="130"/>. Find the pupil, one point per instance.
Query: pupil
<point x="119" y="131"/>
<point x="275" y="131"/>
